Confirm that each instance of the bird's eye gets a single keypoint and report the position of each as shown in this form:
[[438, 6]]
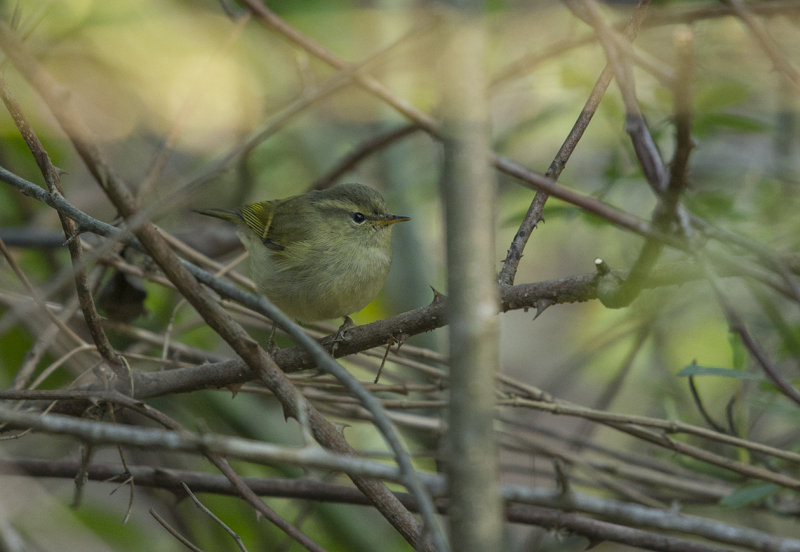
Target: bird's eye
[[359, 218]]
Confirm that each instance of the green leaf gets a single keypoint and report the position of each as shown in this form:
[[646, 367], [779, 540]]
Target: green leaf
[[714, 204], [723, 93], [749, 494], [697, 370], [705, 122]]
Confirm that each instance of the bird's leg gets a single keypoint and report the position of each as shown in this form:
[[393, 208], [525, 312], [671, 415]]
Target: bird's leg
[[271, 345], [339, 336]]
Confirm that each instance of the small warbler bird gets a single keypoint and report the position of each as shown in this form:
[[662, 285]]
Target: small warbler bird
[[319, 255]]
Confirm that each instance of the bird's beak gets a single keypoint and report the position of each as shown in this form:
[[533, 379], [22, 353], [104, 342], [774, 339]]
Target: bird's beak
[[391, 219]]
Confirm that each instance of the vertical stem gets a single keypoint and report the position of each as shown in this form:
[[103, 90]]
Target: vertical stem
[[468, 188]]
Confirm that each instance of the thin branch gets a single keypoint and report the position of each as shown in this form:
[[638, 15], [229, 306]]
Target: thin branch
[[369, 147], [779, 59], [667, 189], [620, 421], [235, 479], [683, 40], [661, 18], [534, 398], [58, 324], [203, 508], [698, 402], [643, 143], [270, 19], [174, 532], [103, 433], [737, 326], [53, 181]]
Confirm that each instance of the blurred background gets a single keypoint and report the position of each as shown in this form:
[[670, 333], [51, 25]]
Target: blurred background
[[198, 104]]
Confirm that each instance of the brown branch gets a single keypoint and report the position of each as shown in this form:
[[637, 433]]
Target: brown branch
[[668, 209], [522, 296], [668, 189], [369, 147], [53, 181], [525, 396], [737, 326], [271, 20], [627, 424], [203, 508], [679, 167], [641, 139], [174, 532], [598, 531]]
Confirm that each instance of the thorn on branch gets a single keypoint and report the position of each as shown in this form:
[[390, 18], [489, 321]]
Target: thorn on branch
[[438, 297], [542, 305]]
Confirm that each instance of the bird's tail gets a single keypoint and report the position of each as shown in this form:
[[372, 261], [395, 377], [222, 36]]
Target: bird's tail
[[231, 215]]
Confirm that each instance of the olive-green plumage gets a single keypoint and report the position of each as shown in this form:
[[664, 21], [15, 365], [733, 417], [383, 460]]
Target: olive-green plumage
[[319, 255]]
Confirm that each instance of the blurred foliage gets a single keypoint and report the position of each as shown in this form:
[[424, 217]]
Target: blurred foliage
[[145, 73]]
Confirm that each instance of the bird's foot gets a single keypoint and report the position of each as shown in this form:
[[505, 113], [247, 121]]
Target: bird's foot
[[339, 336], [271, 345]]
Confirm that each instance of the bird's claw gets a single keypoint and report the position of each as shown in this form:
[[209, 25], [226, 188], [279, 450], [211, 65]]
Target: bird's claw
[[339, 336]]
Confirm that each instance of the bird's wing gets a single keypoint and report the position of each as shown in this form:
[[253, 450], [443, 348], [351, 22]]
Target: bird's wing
[[277, 227]]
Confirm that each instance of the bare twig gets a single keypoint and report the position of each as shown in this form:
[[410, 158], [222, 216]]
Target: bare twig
[[174, 532], [619, 421], [369, 147], [643, 143], [779, 59], [737, 326], [701, 407], [203, 508], [269, 18], [53, 180]]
